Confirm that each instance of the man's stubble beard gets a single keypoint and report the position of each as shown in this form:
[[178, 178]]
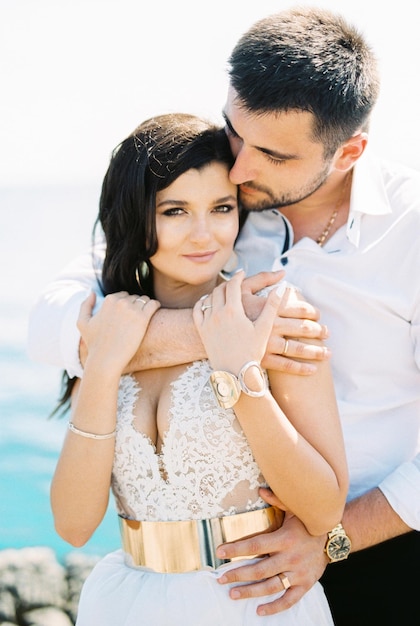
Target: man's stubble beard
[[271, 201]]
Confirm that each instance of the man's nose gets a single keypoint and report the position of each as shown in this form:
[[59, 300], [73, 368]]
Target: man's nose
[[243, 169]]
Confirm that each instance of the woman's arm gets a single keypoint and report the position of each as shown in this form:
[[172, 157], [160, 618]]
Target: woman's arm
[[294, 432], [171, 339], [81, 482], [296, 438]]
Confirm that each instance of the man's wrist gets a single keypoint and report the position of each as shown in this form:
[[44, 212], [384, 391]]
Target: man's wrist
[[338, 544]]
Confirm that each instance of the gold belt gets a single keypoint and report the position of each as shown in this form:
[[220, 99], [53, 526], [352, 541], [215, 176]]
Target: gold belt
[[186, 546]]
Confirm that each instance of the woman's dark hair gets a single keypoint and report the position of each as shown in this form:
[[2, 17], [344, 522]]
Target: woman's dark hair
[[147, 161]]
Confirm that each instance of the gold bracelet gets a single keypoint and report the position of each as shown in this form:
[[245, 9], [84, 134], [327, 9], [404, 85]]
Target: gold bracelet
[[227, 387], [83, 433]]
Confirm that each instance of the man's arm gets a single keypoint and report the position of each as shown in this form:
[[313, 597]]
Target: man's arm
[[368, 520], [361, 517], [172, 339], [53, 337]]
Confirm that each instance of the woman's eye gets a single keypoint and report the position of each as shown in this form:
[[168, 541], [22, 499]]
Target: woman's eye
[[224, 208], [173, 211]]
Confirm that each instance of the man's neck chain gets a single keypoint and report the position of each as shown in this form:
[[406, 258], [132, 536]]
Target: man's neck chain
[[323, 236]]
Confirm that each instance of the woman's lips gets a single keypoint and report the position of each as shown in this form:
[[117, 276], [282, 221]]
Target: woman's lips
[[200, 257]]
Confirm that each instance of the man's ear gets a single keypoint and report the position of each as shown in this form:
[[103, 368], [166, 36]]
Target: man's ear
[[351, 151]]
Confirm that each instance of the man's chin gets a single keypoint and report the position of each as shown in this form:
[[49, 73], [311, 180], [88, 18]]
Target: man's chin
[[252, 204]]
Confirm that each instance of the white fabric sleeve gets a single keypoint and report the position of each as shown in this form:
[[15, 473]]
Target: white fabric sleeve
[[402, 487], [53, 337], [402, 490]]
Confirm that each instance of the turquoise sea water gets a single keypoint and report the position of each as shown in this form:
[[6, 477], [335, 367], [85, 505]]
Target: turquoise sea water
[[40, 231]]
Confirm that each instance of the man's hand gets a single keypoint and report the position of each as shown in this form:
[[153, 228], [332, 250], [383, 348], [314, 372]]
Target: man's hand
[[291, 551], [288, 349]]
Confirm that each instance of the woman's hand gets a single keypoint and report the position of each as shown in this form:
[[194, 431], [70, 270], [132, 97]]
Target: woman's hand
[[230, 338], [113, 335]]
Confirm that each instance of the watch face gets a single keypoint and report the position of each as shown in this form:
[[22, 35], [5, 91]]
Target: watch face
[[226, 388], [338, 547], [223, 389]]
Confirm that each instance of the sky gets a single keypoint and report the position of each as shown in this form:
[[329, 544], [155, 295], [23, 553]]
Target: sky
[[79, 75]]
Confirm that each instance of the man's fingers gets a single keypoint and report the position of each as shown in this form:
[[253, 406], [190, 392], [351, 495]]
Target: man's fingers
[[304, 328], [288, 599], [256, 283], [299, 359], [296, 349], [288, 366], [265, 321], [269, 587], [260, 570], [297, 308], [258, 544]]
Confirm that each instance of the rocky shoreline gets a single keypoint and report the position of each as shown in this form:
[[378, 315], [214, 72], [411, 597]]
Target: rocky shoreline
[[38, 590]]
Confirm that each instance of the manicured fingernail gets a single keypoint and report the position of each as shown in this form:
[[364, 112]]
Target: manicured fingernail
[[235, 594], [222, 579]]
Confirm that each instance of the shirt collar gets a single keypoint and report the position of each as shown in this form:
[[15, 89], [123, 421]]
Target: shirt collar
[[368, 196]]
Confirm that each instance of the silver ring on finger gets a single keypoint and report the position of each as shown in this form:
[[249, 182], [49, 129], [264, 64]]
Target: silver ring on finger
[[284, 581], [141, 300], [204, 307], [286, 347]]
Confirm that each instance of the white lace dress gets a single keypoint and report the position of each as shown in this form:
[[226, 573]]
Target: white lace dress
[[204, 469]]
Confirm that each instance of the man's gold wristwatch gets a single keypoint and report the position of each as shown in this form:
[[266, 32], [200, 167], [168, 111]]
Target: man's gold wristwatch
[[338, 545]]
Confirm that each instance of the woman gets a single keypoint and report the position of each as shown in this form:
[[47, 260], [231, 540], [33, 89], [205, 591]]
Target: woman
[[185, 448]]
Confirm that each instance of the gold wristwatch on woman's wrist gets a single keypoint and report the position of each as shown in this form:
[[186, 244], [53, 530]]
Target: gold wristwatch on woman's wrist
[[338, 544], [227, 387]]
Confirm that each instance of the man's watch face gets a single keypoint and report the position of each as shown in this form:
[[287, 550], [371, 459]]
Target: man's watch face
[[339, 547]]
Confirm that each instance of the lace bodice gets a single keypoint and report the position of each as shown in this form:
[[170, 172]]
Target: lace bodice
[[205, 467]]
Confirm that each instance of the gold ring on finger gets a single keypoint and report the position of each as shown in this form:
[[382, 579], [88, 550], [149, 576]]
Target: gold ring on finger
[[284, 581]]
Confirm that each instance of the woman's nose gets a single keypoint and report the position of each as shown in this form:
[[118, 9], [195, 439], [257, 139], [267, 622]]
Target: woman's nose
[[200, 230]]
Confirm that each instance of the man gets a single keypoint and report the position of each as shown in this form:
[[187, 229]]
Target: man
[[344, 227]]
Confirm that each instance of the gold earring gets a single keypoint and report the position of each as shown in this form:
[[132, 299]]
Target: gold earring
[[144, 270], [143, 273]]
